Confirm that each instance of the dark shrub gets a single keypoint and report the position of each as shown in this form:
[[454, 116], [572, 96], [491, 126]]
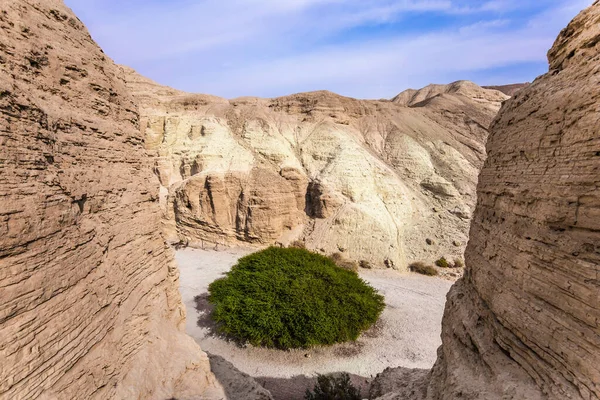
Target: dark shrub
[[330, 387], [298, 244], [341, 262], [423, 269], [365, 264], [337, 258], [292, 298], [442, 263]]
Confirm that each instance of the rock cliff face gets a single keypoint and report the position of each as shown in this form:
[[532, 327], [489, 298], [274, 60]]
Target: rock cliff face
[[89, 301], [371, 179], [524, 323]]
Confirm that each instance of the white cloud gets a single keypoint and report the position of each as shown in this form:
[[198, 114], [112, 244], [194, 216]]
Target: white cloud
[[274, 47]]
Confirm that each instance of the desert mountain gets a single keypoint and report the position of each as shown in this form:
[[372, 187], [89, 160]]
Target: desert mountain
[[487, 98], [509, 90], [89, 300], [524, 321], [387, 182]]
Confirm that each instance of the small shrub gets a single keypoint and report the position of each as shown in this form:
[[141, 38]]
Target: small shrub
[[298, 244], [337, 258], [458, 263], [293, 298], [341, 262], [365, 264], [330, 387], [442, 263], [423, 269]]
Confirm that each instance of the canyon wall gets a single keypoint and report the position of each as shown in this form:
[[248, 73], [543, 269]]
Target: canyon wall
[[89, 300], [388, 182], [524, 322]]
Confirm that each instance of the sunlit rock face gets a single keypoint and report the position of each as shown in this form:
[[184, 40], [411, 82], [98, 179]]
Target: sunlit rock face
[[524, 323], [89, 301], [371, 179]]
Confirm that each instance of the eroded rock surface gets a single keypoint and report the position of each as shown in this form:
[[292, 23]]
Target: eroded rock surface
[[524, 323], [89, 301], [509, 90], [371, 179]]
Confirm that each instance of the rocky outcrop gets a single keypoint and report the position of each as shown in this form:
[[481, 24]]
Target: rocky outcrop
[[509, 90], [237, 385], [486, 97], [372, 179], [89, 301], [524, 322]]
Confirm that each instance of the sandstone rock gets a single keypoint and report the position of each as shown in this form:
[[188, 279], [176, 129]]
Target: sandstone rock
[[237, 385], [331, 171], [400, 383], [89, 300], [468, 89], [524, 321], [509, 90]]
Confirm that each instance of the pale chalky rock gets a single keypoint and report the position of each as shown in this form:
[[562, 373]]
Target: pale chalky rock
[[366, 176], [89, 300]]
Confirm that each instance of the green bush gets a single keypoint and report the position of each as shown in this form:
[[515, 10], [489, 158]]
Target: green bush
[[330, 387], [442, 263], [292, 298], [423, 269]]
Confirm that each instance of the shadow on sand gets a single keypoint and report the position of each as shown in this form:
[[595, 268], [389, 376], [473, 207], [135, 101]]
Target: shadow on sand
[[294, 388], [205, 321]]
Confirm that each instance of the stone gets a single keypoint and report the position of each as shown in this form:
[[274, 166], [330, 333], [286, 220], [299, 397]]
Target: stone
[[237, 385], [89, 299], [260, 171], [523, 323]]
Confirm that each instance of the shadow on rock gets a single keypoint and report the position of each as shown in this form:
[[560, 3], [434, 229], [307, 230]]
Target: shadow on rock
[[237, 385], [294, 388]]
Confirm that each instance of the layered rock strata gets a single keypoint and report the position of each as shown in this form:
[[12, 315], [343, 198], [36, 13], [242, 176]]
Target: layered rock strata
[[89, 301], [524, 323], [387, 182]]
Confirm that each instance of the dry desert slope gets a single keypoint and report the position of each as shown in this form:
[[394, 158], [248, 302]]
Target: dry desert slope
[[387, 182]]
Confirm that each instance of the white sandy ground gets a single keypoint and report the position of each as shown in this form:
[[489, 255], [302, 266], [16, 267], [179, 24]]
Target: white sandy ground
[[407, 335]]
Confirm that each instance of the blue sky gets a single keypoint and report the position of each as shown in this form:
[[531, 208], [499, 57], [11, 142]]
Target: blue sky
[[358, 48]]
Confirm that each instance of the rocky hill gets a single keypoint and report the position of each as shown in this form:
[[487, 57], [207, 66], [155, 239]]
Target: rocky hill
[[524, 321], [509, 90], [89, 300], [387, 182]]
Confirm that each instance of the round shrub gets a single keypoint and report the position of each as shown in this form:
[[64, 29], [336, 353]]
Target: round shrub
[[442, 263], [423, 269], [292, 298]]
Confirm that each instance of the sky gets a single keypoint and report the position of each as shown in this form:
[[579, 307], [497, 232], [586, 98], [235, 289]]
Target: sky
[[368, 49]]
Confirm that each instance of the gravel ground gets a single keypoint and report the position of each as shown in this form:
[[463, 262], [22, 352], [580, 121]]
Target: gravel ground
[[407, 335]]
